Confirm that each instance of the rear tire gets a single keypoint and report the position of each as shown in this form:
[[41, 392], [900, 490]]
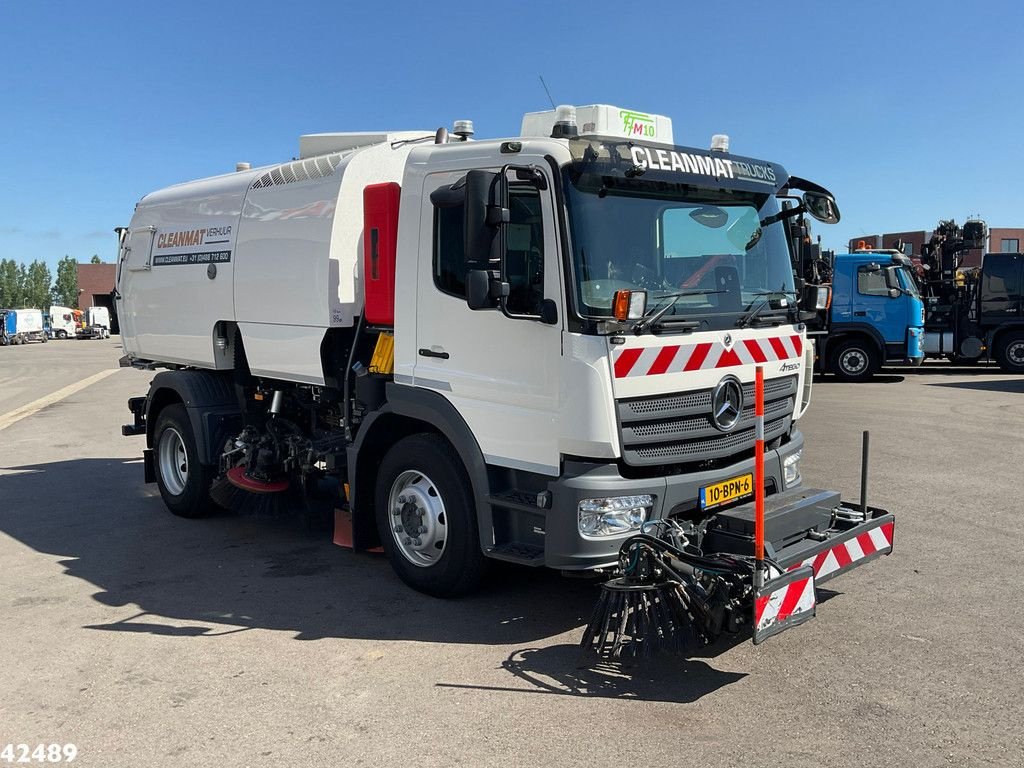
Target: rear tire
[[855, 360], [183, 481], [437, 552], [1009, 352]]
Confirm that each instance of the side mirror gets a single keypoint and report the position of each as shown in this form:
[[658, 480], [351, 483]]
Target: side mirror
[[548, 312], [478, 289], [485, 213], [894, 293], [821, 207], [482, 289]]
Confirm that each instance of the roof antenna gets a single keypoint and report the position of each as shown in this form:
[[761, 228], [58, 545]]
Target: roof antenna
[[547, 91]]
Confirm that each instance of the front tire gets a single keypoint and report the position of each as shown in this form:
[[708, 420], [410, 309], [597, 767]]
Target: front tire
[[183, 481], [62, 335], [1009, 352], [426, 517], [855, 360]]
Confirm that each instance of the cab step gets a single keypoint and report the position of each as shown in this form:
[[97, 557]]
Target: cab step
[[522, 554]]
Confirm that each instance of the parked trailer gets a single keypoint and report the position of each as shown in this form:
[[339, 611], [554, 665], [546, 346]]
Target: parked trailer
[[521, 349]]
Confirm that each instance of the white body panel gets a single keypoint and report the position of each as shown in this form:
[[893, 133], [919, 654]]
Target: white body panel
[[277, 250], [62, 319], [28, 320]]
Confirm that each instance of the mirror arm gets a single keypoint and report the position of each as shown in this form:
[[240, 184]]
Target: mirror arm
[[786, 213]]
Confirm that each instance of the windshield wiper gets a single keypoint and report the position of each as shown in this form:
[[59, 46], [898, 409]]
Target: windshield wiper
[[758, 307], [648, 320]]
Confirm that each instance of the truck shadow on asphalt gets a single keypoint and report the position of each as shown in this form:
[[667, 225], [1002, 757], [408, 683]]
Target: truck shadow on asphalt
[[562, 670], [1014, 385], [200, 579]]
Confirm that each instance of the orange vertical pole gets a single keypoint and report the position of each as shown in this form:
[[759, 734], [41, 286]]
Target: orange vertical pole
[[759, 476]]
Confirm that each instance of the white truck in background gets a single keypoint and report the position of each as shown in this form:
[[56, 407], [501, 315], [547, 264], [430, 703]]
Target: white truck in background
[[96, 324], [63, 322], [521, 349]]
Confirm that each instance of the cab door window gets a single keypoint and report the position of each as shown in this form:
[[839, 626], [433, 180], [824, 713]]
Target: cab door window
[[524, 251], [872, 282]]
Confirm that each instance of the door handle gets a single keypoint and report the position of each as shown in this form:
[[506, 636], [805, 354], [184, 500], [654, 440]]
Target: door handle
[[431, 353], [860, 314]]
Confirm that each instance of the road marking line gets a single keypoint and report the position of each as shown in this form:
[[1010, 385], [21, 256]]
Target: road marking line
[[37, 405]]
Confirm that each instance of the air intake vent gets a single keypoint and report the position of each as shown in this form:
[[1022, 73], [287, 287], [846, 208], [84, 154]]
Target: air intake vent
[[299, 170]]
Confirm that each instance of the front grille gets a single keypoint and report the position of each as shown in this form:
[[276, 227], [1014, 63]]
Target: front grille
[[674, 428]]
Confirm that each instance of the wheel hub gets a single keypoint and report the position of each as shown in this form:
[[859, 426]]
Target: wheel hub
[[854, 361], [1015, 353], [419, 526], [173, 461]]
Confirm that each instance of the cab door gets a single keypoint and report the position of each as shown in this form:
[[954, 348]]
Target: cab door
[[500, 372], [879, 301], [1001, 293]]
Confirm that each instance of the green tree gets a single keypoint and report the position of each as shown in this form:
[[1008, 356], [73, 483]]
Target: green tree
[[65, 289], [22, 285], [10, 288], [95, 259], [37, 285]]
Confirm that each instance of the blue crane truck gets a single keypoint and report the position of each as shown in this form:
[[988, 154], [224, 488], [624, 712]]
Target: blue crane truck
[[868, 312]]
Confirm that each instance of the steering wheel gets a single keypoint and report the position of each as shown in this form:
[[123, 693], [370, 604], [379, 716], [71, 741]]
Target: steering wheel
[[647, 278]]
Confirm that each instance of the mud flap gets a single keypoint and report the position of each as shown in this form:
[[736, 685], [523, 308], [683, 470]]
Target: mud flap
[[784, 602]]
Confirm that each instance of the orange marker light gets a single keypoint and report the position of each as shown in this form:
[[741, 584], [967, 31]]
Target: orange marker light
[[620, 307]]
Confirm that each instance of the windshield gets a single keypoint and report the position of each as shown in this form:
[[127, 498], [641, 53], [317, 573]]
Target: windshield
[[669, 239], [907, 281]]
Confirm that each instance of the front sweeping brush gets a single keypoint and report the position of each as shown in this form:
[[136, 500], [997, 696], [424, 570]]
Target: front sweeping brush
[[633, 619], [666, 601]]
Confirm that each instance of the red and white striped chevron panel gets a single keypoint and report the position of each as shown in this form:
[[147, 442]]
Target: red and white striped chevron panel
[[676, 358], [841, 555], [785, 603]]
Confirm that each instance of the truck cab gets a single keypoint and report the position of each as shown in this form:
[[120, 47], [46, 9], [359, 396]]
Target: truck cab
[[876, 316]]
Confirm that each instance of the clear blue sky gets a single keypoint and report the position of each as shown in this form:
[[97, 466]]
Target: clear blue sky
[[908, 111]]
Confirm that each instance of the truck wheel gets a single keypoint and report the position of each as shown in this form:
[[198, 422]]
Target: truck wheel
[[62, 334], [1009, 352], [184, 483], [426, 517], [855, 360]]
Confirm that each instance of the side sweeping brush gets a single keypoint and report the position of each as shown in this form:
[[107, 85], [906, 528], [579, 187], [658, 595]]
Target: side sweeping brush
[[240, 492]]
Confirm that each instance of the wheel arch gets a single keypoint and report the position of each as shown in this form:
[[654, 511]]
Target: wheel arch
[[410, 410], [849, 331], [209, 400]]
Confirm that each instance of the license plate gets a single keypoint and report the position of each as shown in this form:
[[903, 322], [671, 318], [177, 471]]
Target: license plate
[[727, 491]]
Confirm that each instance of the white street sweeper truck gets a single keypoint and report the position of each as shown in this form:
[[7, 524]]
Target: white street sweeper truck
[[539, 349]]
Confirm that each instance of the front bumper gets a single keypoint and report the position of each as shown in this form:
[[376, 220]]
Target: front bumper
[[566, 549]]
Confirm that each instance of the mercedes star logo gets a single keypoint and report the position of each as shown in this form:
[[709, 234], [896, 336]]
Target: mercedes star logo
[[727, 403]]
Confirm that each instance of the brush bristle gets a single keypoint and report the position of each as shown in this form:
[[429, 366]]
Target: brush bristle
[[232, 498], [639, 620]]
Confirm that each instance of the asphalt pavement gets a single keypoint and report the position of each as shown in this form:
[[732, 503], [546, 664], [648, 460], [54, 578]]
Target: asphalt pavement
[[149, 640]]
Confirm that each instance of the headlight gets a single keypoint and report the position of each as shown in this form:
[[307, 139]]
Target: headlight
[[791, 469], [613, 516]]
